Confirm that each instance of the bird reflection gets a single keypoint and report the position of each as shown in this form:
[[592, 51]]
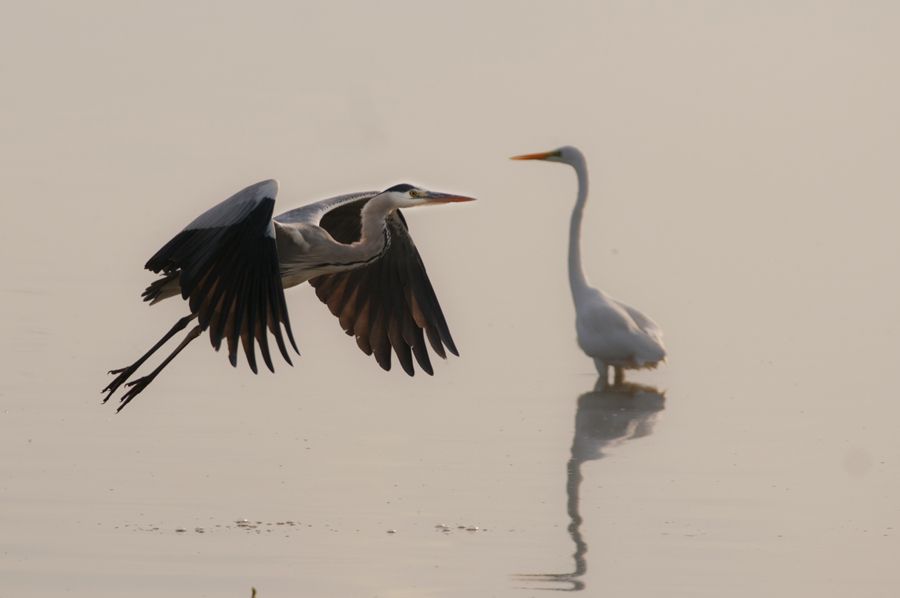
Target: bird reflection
[[605, 417]]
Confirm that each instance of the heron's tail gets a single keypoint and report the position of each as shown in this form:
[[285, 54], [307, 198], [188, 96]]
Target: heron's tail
[[163, 288]]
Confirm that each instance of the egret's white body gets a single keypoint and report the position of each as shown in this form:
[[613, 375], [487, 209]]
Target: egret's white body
[[612, 333]]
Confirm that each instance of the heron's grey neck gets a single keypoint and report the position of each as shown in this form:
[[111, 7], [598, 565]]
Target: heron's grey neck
[[577, 280], [374, 239]]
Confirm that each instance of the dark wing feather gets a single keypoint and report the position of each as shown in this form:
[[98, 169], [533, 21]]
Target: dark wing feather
[[389, 304], [226, 264]]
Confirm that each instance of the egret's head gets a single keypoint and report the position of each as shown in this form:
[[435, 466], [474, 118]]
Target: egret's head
[[566, 154], [405, 195]]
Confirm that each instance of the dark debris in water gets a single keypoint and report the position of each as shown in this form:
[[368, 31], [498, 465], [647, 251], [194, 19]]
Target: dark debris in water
[[243, 525], [446, 529], [257, 527]]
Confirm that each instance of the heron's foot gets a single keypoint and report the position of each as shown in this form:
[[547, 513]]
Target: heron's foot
[[135, 387], [122, 376]]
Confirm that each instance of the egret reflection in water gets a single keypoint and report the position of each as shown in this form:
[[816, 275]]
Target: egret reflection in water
[[605, 417]]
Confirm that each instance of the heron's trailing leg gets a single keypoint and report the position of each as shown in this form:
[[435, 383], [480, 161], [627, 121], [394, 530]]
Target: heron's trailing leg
[[619, 377], [136, 386], [125, 373]]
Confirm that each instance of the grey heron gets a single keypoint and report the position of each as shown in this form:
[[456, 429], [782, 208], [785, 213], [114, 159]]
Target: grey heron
[[612, 333], [233, 262]]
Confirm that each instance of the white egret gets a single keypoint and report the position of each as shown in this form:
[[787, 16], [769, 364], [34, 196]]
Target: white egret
[[612, 333], [233, 262]]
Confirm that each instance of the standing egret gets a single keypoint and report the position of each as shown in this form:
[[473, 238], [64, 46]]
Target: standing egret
[[233, 262], [612, 333]]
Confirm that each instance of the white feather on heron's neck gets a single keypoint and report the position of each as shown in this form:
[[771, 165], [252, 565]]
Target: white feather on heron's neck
[[372, 240], [577, 280], [373, 216]]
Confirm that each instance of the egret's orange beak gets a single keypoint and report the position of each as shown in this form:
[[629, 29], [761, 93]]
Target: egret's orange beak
[[539, 156], [435, 197]]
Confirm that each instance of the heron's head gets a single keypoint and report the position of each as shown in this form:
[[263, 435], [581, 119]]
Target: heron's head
[[405, 195], [566, 154]]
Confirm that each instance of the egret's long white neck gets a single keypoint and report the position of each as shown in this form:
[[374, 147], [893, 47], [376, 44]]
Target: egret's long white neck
[[577, 280]]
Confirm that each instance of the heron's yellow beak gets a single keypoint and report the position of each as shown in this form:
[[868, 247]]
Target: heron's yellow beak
[[539, 156], [436, 197]]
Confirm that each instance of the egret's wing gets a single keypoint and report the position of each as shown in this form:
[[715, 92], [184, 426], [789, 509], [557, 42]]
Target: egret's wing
[[389, 304], [227, 267], [650, 327]]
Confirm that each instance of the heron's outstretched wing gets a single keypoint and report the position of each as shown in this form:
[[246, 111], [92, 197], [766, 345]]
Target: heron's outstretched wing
[[389, 303], [226, 264]]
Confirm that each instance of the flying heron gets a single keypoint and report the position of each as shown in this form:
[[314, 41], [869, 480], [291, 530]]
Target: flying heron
[[612, 333], [233, 262]]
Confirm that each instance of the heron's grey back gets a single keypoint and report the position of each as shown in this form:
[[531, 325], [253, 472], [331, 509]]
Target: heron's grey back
[[312, 213]]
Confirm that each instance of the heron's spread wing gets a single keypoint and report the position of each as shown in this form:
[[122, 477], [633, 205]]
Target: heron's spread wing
[[226, 264], [389, 304]]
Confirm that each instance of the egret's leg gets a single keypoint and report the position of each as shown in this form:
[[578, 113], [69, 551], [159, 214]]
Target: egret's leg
[[602, 373], [125, 373], [136, 386], [619, 376]]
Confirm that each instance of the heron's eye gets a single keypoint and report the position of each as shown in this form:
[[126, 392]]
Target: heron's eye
[[415, 193]]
